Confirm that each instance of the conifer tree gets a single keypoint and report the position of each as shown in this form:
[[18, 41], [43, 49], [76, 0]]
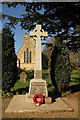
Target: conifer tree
[[60, 68], [9, 60], [58, 19]]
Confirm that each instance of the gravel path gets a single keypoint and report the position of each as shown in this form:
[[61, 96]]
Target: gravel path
[[73, 101]]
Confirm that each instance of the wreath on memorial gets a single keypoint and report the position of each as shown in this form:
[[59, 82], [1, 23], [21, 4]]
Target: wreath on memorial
[[38, 96]]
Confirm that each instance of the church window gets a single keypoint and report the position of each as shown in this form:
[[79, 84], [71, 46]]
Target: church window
[[24, 57], [27, 55], [30, 56], [19, 63]]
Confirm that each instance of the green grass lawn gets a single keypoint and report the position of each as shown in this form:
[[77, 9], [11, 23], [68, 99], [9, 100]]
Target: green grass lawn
[[75, 78], [30, 75], [23, 87]]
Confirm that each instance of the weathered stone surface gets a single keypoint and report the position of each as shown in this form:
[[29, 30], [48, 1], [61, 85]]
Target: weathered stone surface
[[29, 43], [23, 77], [38, 86], [38, 89], [48, 100], [38, 74], [38, 31], [21, 103]]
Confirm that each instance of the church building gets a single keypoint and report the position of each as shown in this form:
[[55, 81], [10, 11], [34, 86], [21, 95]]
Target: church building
[[26, 54]]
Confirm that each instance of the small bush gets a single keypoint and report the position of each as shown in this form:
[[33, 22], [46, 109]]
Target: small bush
[[51, 89], [30, 74], [75, 78]]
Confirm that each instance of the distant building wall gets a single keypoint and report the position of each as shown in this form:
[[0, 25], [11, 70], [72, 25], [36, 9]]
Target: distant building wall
[[26, 54]]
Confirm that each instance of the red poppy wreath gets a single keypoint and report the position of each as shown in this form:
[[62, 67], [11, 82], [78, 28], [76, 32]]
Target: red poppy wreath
[[38, 96]]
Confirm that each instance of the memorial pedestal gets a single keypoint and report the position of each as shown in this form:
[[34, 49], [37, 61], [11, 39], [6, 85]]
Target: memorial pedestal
[[38, 86]]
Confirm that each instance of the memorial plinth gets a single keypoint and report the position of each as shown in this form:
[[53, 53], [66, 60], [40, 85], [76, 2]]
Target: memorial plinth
[[38, 85]]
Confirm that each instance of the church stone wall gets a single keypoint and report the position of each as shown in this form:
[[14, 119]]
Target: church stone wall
[[29, 43], [27, 66]]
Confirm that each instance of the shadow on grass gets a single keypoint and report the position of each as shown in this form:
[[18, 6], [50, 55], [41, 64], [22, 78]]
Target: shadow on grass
[[73, 88], [54, 95], [21, 91]]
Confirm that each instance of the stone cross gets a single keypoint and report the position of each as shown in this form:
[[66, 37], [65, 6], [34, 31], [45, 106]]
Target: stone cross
[[38, 34]]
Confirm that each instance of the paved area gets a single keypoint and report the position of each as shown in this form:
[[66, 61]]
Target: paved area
[[72, 100], [21, 103]]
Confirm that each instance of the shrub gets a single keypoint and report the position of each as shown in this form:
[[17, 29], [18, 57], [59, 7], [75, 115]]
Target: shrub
[[75, 59], [9, 60], [60, 69]]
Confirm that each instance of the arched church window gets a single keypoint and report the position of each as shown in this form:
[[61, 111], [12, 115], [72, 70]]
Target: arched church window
[[30, 56], [19, 63], [24, 57], [27, 55]]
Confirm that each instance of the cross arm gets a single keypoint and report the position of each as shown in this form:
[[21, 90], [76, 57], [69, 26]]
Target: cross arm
[[45, 34], [32, 33]]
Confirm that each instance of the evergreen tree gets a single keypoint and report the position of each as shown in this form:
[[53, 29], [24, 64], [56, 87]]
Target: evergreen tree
[[9, 60], [56, 18], [60, 69]]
